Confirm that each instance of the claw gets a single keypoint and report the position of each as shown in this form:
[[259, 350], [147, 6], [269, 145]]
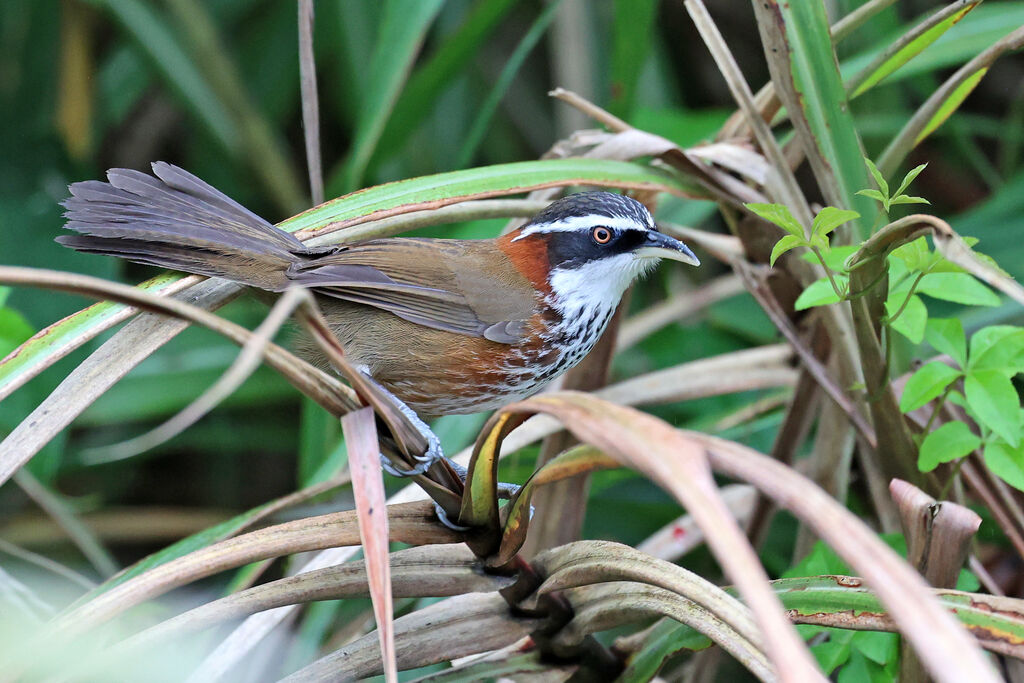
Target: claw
[[423, 462], [443, 518], [421, 468]]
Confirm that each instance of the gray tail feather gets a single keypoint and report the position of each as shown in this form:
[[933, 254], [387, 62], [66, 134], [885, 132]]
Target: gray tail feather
[[175, 220]]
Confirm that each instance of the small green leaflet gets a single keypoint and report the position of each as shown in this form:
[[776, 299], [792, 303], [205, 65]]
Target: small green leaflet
[[819, 293], [830, 218], [946, 335], [960, 288], [1006, 462], [994, 402], [779, 215], [949, 442], [927, 384], [998, 347], [785, 244]]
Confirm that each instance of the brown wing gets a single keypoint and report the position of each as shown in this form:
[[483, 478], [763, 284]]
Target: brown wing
[[462, 286]]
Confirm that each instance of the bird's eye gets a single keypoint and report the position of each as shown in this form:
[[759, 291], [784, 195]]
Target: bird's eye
[[601, 235]]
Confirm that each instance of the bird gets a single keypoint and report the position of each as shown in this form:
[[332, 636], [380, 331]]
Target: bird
[[445, 326]]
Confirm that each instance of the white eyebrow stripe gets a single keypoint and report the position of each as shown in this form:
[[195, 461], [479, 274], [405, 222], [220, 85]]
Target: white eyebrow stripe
[[574, 223]]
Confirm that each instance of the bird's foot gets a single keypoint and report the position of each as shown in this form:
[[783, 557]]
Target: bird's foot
[[433, 453], [424, 462], [430, 457]]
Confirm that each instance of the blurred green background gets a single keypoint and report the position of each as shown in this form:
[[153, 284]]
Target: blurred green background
[[407, 87]]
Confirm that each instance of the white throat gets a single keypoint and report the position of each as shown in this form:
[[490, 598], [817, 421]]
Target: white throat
[[586, 298], [595, 285]]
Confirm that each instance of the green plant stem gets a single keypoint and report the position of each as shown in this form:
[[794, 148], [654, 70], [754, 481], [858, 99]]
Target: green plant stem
[[888, 352], [938, 407], [899, 311], [828, 271], [894, 438], [949, 482]]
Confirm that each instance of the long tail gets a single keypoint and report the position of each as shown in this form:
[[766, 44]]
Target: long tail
[[177, 221]]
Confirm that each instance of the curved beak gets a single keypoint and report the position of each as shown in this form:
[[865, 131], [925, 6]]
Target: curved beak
[[660, 245]]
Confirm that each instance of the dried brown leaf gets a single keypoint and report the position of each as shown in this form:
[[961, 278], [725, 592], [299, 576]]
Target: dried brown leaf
[[360, 430]]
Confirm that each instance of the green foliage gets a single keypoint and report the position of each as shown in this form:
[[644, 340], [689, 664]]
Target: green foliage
[[857, 655], [14, 328], [989, 397], [947, 443], [983, 377], [926, 385], [882, 196]]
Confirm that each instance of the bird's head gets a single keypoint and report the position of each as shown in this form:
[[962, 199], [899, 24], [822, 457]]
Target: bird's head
[[592, 245]]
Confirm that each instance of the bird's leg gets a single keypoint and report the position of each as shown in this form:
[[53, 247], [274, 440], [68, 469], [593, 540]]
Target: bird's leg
[[432, 455], [434, 452]]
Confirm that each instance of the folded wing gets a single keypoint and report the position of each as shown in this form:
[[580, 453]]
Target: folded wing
[[429, 282]]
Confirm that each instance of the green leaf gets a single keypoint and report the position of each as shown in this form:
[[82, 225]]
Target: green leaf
[[68, 334], [909, 178], [427, 83], [823, 594], [904, 199], [402, 32], [818, 293], [898, 275], [804, 68], [879, 181], [976, 32], [926, 33], [820, 560], [4, 293], [859, 669], [780, 215], [951, 104], [946, 335], [785, 244], [995, 403], [14, 329], [485, 112], [632, 28], [927, 384], [830, 218], [874, 194], [666, 639], [961, 288], [913, 254], [832, 654], [1006, 462], [441, 189], [998, 347], [878, 646], [819, 242], [911, 322], [949, 442], [835, 257]]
